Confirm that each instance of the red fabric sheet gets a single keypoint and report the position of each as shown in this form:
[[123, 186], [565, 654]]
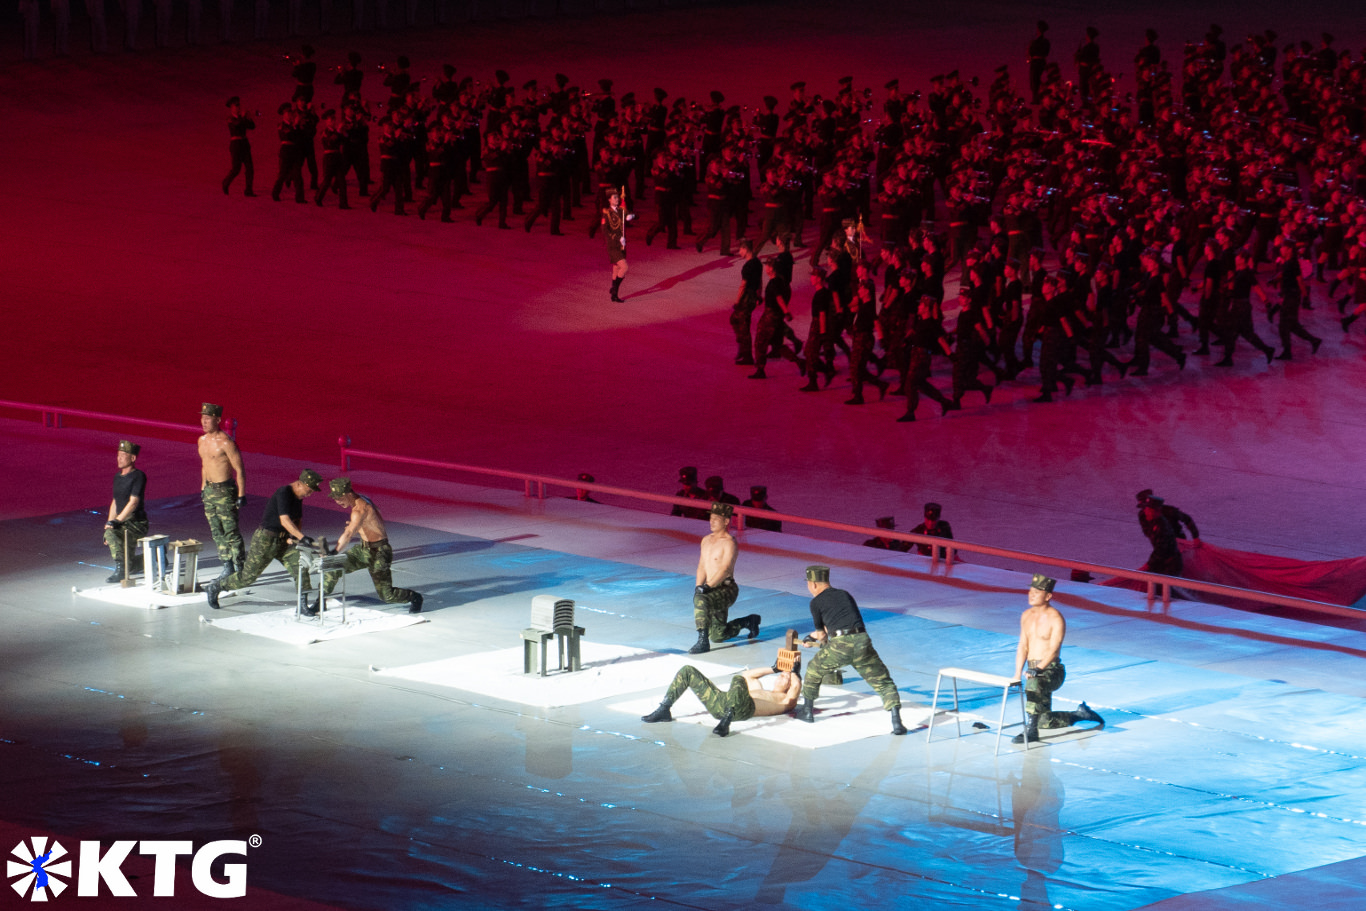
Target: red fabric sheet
[[1331, 581]]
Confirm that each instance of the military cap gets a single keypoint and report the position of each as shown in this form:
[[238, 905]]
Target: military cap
[[1327, 38], [1042, 583], [817, 573], [529, 85], [1092, 32], [1151, 34], [688, 474], [586, 477], [311, 478], [758, 492], [828, 106], [716, 97], [714, 483], [848, 223], [129, 447], [952, 74], [628, 100], [353, 58], [770, 102], [501, 75], [660, 95], [797, 85], [1216, 29], [892, 84], [1154, 502], [212, 410], [614, 192], [339, 487], [447, 70], [933, 510], [329, 114], [1003, 68], [886, 522], [724, 510], [402, 61], [846, 80], [561, 80], [233, 100], [818, 271], [284, 106], [605, 85], [1143, 495]]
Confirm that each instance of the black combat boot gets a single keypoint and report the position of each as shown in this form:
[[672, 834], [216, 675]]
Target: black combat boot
[[752, 624], [229, 567], [660, 714], [1085, 713], [722, 729], [213, 591], [701, 645], [897, 727], [415, 605], [805, 711], [1031, 731]]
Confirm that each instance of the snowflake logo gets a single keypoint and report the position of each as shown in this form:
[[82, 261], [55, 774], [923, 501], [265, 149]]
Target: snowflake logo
[[40, 867]]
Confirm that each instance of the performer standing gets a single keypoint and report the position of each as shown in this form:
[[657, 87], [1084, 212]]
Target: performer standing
[[1042, 630], [373, 551], [127, 518], [222, 486], [239, 146], [614, 219], [716, 589], [842, 638]]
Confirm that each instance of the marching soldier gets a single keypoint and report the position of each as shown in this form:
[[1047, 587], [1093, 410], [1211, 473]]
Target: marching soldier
[[239, 146]]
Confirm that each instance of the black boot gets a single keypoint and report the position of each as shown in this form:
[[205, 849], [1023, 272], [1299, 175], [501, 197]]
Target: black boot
[[1085, 713], [229, 567], [660, 714], [897, 727], [1031, 731], [750, 623], [114, 577], [722, 729], [616, 286], [805, 711], [212, 591], [701, 645], [1347, 321], [308, 610], [415, 605]]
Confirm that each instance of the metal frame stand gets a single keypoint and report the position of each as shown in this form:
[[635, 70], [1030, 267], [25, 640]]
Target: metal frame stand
[[957, 673]]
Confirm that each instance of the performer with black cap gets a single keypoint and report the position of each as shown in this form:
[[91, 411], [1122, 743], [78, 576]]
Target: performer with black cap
[[127, 520], [372, 550], [239, 146], [932, 526], [688, 489], [1173, 514], [1042, 629], [881, 543], [716, 590], [758, 499], [276, 539], [1166, 556], [843, 640]]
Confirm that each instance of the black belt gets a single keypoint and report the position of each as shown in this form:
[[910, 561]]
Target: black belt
[[856, 628]]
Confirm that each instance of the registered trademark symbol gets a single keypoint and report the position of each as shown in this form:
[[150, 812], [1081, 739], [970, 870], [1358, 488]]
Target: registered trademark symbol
[[254, 841]]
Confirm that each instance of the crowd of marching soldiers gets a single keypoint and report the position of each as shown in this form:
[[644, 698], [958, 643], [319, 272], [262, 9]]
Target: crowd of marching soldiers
[[1076, 216]]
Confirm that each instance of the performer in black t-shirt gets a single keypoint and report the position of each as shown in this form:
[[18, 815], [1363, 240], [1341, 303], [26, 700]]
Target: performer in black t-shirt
[[275, 540], [842, 638], [127, 520]]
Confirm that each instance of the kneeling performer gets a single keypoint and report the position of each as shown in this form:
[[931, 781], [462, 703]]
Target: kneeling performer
[[373, 552], [1042, 630], [716, 589]]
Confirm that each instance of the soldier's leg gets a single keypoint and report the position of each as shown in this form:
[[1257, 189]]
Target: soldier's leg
[[738, 700], [1039, 691], [355, 559], [290, 559], [870, 667], [264, 545], [381, 559], [689, 677], [718, 604], [828, 661]]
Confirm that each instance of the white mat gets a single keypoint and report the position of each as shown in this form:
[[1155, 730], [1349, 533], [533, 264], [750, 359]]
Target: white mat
[[842, 716], [606, 671], [282, 626], [139, 596]]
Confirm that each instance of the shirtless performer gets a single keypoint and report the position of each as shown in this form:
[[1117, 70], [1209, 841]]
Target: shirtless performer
[[1042, 630], [373, 551], [716, 589], [745, 699], [223, 488]]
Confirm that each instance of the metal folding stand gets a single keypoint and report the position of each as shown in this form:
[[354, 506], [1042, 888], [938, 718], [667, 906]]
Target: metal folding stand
[[317, 559], [957, 673]]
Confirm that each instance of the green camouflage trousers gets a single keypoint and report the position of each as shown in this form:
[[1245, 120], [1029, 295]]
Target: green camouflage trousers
[[220, 508], [856, 649], [736, 700], [114, 538], [378, 558], [265, 546], [709, 611], [1039, 691]]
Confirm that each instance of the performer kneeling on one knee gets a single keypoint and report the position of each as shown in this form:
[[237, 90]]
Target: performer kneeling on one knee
[[373, 551], [747, 698], [716, 590], [842, 638], [1042, 630]]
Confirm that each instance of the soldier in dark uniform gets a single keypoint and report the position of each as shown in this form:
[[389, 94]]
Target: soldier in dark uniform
[[758, 499], [926, 335], [334, 162], [1166, 556], [392, 168], [398, 81], [667, 190], [239, 146], [687, 477], [495, 161], [548, 179], [291, 158], [614, 219], [715, 486], [1038, 59], [933, 526], [1238, 317], [350, 77], [746, 299], [1291, 286], [1088, 63], [127, 520], [820, 350], [1179, 520], [356, 145], [777, 298], [1153, 305], [275, 540], [881, 543], [970, 342], [843, 640], [307, 130], [862, 329], [304, 70], [718, 206]]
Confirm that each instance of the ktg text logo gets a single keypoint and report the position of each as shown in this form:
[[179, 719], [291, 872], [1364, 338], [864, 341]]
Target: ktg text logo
[[41, 871]]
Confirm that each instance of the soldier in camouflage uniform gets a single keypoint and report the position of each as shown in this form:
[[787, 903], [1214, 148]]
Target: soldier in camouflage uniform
[[843, 640], [1042, 629], [745, 699], [276, 540], [127, 520], [373, 551], [716, 590], [223, 487]]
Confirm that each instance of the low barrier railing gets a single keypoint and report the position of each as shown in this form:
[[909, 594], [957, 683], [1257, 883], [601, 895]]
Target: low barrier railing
[[53, 415], [535, 485]]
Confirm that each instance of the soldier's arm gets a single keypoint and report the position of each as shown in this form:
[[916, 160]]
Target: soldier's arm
[[1021, 650], [702, 565], [352, 526], [294, 531], [113, 509], [235, 460], [756, 673], [203, 467]]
